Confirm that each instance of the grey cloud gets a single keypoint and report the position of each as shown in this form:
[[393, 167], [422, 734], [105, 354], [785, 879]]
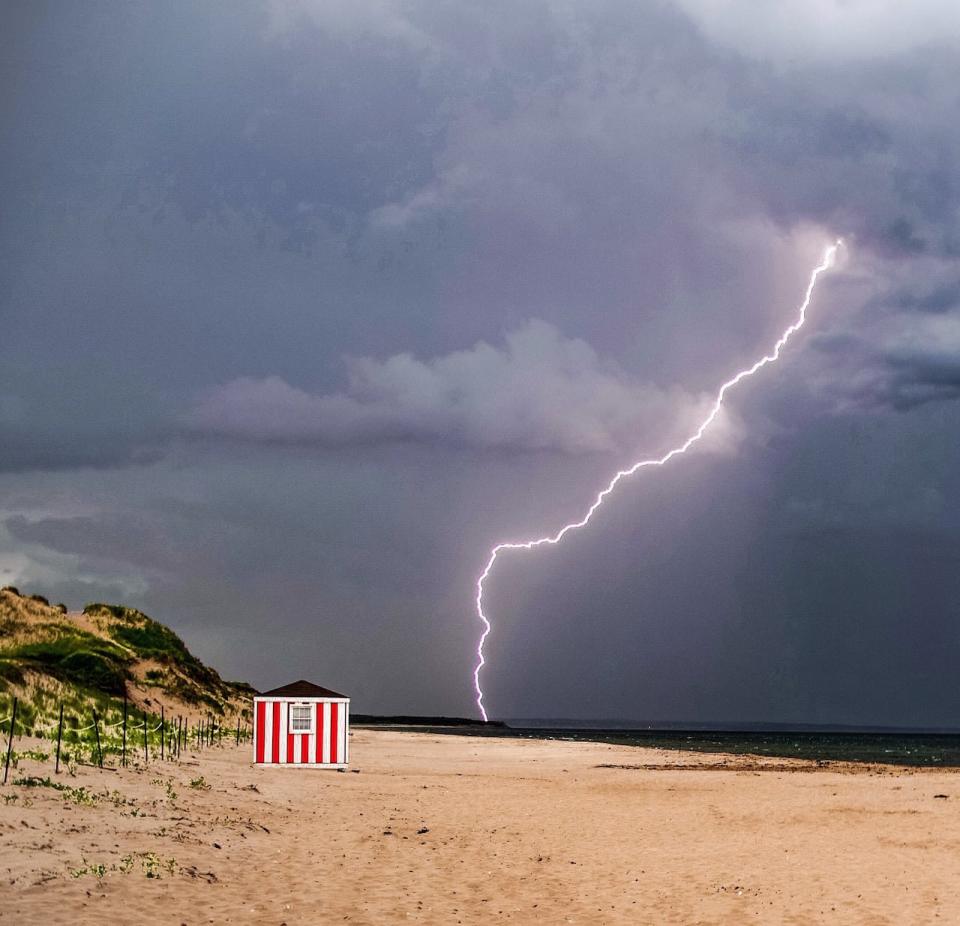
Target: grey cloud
[[942, 298], [540, 391], [925, 366], [896, 364]]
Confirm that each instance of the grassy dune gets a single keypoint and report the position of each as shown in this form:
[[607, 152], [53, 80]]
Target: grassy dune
[[88, 660]]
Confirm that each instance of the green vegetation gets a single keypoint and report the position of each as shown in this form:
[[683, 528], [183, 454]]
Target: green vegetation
[[32, 781], [34, 755], [192, 682], [88, 661], [151, 640], [151, 865], [167, 786], [75, 795], [88, 868], [77, 658]]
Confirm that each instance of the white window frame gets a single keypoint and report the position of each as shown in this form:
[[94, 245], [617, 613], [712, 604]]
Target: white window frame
[[310, 721]]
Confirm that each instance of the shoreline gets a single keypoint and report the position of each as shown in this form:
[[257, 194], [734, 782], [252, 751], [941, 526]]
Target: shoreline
[[889, 748]]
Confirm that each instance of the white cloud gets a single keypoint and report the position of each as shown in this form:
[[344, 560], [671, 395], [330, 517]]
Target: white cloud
[[540, 391]]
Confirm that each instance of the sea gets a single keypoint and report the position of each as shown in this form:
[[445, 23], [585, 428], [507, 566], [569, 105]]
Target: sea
[[885, 745]]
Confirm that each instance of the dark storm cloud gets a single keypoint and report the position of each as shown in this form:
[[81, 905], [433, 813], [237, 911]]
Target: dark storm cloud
[[208, 209], [941, 298], [900, 363], [107, 421], [924, 369]]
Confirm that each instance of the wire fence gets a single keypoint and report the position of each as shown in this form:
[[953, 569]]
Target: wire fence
[[110, 744]]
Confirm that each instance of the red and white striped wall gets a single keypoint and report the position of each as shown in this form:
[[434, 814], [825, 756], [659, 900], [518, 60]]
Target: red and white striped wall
[[327, 745]]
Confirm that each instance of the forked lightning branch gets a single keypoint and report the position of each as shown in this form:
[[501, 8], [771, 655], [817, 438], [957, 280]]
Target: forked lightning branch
[[826, 262]]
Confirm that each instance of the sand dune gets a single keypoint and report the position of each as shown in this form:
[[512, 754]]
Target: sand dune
[[435, 829]]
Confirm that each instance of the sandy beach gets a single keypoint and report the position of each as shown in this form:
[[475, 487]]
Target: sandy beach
[[450, 829]]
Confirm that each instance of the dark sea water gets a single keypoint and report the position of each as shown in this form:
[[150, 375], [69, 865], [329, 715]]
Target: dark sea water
[[892, 748], [935, 748]]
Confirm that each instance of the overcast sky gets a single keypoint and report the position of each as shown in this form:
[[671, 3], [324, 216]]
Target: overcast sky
[[305, 304]]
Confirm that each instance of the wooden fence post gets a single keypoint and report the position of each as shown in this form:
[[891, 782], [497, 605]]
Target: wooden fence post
[[146, 750], [163, 733], [56, 768], [96, 729], [124, 759], [238, 729], [13, 720]]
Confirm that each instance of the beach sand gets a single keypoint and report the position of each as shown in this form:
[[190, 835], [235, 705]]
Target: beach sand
[[451, 829]]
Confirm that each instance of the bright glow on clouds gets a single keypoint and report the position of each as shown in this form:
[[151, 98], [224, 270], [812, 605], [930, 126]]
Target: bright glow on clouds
[[826, 28]]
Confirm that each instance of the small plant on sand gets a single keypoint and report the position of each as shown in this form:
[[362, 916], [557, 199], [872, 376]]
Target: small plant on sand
[[32, 781], [71, 766], [167, 786], [199, 784], [152, 865], [34, 755], [81, 796], [98, 870], [11, 798]]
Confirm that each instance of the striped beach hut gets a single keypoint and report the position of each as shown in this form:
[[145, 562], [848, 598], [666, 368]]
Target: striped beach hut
[[301, 724]]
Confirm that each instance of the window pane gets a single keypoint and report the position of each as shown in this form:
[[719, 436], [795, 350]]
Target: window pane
[[301, 718]]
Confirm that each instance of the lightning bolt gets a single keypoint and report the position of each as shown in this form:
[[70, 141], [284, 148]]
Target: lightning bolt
[[826, 263]]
